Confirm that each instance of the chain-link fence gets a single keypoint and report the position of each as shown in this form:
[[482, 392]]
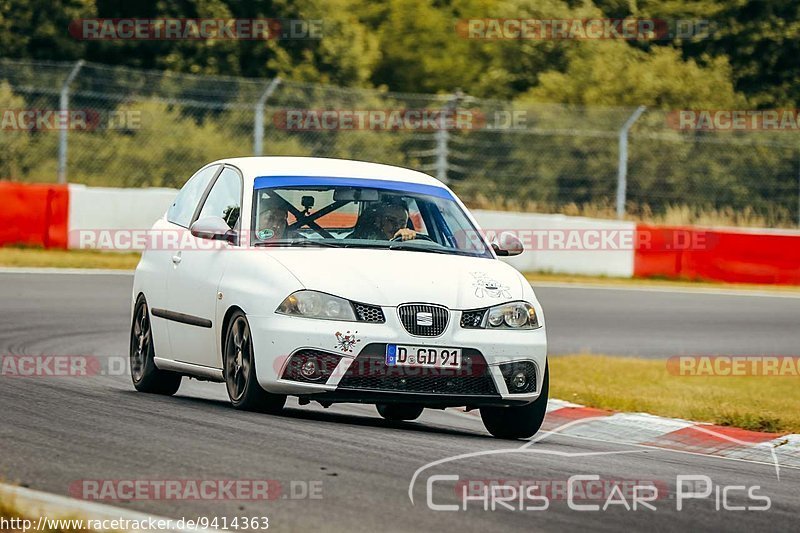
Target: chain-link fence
[[136, 128]]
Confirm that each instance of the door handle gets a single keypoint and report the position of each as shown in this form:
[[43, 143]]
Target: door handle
[[176, 259]]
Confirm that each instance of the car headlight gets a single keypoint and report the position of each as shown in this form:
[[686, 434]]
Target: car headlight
[[514, 315], [313, 304]]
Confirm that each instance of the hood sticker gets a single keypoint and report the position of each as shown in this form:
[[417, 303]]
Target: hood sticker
[[346, 342], [486, 286]]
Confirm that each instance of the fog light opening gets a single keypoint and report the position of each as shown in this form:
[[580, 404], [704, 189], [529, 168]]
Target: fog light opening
[[520, 377], [311, 366]]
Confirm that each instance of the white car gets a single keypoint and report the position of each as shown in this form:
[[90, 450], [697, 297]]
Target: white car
[[337, 281]]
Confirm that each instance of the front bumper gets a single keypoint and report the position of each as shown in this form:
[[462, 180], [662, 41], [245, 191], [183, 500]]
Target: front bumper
[[277, 337]]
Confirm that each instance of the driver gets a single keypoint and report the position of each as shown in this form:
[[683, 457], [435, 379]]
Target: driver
[[388, 220]]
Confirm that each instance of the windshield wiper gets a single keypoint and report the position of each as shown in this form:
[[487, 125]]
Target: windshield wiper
[[406, 246], [301, 242]]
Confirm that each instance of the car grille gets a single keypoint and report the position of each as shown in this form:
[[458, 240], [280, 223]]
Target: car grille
[[369, 372], [472, 319], [439, 318], [369, 313]]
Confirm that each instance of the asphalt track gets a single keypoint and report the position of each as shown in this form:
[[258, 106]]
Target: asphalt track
[[56, 431], [659, 323]]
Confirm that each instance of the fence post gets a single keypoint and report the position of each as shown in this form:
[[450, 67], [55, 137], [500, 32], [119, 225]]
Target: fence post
[[62, 133], [441, 152], [258, 123], [622, 170], [443, 135]]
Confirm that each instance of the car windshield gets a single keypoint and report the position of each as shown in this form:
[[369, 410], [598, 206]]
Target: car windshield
[[417, 218]]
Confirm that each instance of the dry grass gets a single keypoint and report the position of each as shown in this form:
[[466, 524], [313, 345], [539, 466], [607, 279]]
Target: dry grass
[[679, 215], [759, 403], [35, 257]]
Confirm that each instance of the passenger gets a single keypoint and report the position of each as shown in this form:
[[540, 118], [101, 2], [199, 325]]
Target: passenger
[[272, 220]]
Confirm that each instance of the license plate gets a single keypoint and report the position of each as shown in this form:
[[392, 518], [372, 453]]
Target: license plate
[[424, 356]]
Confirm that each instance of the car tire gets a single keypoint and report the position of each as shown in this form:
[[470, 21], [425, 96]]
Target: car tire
[[145, 375], [518, 422], [399, 411], [239, 369]]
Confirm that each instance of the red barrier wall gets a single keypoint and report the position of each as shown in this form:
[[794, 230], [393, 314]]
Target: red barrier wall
[[724, 255], [33, 214]]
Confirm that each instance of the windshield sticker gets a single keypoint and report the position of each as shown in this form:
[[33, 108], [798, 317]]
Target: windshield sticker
[[265, 234], [346, 342], [486, 286]]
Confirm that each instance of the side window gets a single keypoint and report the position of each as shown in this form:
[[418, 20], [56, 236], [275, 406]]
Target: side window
[[225, 198], [182, 209], [453, 226]]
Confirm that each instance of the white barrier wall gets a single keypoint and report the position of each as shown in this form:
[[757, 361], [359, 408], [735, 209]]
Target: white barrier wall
[[108, 208], [565, 244], [101, 208]]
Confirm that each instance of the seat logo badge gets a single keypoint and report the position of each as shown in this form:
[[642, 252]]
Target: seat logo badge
[[424, 319]]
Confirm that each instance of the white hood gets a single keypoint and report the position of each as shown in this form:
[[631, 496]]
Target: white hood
[[389, 278]]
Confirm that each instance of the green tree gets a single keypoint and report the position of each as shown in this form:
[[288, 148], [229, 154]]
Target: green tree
[[37, 29], [13, 144], [761, 40], [614, 73]]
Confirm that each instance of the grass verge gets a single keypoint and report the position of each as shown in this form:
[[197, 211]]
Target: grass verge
[[36, 257], [758, 403]]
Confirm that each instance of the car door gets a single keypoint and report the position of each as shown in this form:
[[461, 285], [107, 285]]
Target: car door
[[157, 264], [196, 274]]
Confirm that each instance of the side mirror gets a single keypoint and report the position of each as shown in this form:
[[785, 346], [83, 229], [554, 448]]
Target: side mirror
[[214, 229], [508, 245]]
